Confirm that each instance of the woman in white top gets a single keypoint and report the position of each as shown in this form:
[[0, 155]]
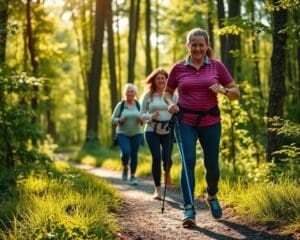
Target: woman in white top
[[155, 111]]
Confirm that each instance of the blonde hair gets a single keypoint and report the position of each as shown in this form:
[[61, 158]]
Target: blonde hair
[[150, 80]]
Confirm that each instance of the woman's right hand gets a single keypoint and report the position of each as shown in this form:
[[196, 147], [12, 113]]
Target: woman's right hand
[[155, 115], [173, 108], [121, 120]]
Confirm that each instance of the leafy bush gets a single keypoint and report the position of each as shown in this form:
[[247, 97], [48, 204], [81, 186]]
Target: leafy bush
[[17, 132]]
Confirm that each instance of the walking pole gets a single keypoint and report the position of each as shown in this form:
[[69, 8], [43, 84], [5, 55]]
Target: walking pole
[[180, 147], [171, 127]]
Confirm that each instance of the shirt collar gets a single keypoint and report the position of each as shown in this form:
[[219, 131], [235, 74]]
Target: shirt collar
[[188, 61]]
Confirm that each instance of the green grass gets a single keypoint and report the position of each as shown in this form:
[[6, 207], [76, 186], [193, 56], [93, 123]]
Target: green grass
[[60, 203]]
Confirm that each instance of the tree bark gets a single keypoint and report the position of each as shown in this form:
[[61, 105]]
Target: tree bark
[[34, 63], [210, 22], [3, 28], [111, 59], [148, 40], [233, 42], [95, 75], [277, 90], [132, 38], [157, 34], [223, 38]]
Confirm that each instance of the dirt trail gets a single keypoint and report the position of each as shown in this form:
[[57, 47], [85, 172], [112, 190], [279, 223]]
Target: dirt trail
[[142, 218]]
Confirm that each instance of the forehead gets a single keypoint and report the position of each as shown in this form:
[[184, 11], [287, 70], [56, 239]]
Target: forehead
[[130, 89], [160, 75], [197, 39]]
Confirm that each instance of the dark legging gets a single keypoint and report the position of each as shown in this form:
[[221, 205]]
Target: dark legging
[[160, 147]]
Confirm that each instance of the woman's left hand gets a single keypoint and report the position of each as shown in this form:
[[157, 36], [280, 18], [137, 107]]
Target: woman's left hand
[[217, 88], [141, 121]]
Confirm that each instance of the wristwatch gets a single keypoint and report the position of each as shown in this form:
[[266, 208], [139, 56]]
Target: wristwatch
[[226, 91]]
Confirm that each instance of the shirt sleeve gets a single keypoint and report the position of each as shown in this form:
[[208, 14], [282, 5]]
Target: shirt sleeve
[[145, 108], [116, 113], [172, 78]]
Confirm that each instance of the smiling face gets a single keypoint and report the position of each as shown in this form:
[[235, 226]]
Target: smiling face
[[130, 94], [197, 47], [160, 81]]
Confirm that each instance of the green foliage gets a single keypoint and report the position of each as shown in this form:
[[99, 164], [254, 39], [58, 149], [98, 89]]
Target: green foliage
[[16, 127], [243, 128], [60, 203], [283, 4], [289, 154]]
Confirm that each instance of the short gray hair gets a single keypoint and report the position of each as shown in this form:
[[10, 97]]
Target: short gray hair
[[128, 86]]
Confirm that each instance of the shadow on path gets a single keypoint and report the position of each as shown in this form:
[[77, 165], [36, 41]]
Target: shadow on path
[[207, 228]]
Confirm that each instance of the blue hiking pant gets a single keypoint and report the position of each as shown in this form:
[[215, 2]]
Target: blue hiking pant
[[209, 138], [129, 146]]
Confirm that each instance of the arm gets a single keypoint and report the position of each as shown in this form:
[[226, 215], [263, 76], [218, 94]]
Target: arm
[[115, 119], [168, 96], [230, 90], [145, 108]]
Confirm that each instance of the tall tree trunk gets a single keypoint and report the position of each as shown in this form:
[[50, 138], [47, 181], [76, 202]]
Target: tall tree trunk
[[95, 75], [148, 35], [277, 90], [34, 63], [157, 34], [132, 38], [111, 59], [9, 153], [3, 28], [223, 38], [210, 22], [233, 42], [119, 64], [256, 75], [296, 15]]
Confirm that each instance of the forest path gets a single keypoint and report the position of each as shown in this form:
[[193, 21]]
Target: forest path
[[141, 217]]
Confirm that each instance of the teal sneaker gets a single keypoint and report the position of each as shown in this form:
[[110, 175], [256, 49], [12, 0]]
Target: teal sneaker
[[215, 208], [189, 219], [125, 174], [133, 181]]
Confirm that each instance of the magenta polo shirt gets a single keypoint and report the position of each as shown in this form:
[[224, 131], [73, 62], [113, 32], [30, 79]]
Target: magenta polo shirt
[[193, 87]]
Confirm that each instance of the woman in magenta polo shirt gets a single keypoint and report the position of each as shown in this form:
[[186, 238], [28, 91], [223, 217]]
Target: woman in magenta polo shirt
[[199, 78]]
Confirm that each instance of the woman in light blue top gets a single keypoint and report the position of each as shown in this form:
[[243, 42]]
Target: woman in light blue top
[[155, 112], [129, 131]]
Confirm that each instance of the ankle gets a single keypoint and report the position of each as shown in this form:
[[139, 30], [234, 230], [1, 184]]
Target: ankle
[[209, 197]]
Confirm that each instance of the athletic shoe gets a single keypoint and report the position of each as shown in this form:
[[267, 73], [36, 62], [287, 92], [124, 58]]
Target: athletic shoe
[[188, 217], [215, 208], [133, 181], [125, 174]]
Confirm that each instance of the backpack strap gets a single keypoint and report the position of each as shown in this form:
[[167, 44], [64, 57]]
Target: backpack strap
[[123, 106]]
